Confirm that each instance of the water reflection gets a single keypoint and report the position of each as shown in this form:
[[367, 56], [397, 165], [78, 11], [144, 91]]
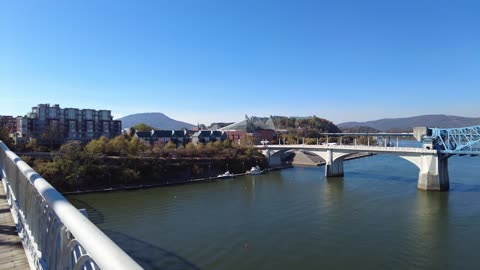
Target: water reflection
[[333, 190], [249, 187], [150, 256], [430, 230]]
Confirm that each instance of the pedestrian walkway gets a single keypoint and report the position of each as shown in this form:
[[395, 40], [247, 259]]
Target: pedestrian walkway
[[12, 254]]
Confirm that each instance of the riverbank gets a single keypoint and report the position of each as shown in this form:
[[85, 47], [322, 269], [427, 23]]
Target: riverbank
[[201, 180], [167, 183]]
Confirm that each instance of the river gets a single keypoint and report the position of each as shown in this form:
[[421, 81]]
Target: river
[[372, 218]]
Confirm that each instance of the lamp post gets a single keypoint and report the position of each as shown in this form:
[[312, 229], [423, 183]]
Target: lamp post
[[209, 172]]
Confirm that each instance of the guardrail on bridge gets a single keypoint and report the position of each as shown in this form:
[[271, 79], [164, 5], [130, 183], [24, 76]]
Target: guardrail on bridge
[[55, 234]]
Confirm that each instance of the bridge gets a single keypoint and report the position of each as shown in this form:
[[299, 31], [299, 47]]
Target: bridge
[[54, 234], [431, 159]]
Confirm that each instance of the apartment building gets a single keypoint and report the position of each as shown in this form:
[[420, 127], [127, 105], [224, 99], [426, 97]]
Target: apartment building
[[64, 124]]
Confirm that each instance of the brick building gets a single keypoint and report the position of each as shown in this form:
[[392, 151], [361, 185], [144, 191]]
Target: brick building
[[9, 123]]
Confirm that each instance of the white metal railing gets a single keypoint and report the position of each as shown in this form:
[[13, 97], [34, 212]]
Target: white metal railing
[[54, 233], [357, 148]]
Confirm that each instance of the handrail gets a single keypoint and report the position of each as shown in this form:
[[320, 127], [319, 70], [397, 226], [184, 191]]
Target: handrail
[[55, 234], [360, 148]]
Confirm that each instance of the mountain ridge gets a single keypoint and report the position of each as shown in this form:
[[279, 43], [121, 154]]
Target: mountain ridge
[[407, 123], [154, 119]]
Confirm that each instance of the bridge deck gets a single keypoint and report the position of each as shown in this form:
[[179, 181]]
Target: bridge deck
[[349, 148], [12, 254]]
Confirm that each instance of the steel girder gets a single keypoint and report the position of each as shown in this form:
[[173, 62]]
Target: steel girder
[[457, 140]]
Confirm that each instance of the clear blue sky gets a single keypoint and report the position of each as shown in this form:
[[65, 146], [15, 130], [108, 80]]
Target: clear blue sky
[[205, 61]]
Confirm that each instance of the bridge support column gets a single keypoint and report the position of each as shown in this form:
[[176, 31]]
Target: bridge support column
[[333, 167], [273, 160], [434, 173]]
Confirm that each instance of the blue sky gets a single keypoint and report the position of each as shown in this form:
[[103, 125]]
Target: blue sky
[[206, 61]]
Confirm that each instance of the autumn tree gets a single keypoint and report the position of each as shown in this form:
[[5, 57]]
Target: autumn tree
[[117, 146], [170, 146], [5, 137], [97, 147], [137, 146], [190, 149], [142, 127], [227, 143]]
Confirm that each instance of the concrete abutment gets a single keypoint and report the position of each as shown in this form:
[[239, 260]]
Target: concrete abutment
[[433, 175]]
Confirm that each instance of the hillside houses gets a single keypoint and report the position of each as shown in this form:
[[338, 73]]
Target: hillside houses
[[178, 137], [206, 136]]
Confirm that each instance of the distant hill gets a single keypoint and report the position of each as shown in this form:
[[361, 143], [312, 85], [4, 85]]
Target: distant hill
[[156, 120], [360, 129], [407, 124]]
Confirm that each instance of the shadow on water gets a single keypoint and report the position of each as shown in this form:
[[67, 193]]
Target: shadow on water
[[150, 256], [94, 215], [454, 186], [460, 187]]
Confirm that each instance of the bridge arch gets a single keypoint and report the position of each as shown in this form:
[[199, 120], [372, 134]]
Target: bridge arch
[[433, 165]]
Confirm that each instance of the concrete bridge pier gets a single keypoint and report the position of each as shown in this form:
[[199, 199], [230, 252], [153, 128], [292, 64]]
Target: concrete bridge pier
[[333, 166], [274, 157], [433, 173], [335, 169], [333, 162]]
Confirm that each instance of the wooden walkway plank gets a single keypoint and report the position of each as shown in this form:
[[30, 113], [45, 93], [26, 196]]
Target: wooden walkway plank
[[12, 253]]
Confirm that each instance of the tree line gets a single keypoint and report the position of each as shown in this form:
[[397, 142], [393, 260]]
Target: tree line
[[126, 161]]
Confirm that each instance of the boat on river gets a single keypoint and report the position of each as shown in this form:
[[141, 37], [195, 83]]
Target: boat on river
[[255, 171], [227, 174]]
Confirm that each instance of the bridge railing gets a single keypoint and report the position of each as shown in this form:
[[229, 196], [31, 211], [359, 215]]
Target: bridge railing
[[55, 234], [364, 148]]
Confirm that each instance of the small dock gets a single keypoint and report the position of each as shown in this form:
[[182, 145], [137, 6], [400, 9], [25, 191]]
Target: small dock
[[12, 254]]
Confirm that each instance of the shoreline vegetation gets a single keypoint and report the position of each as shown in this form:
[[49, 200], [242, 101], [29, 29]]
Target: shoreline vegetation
[[184, 182], [125, 161], [201, 180]]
